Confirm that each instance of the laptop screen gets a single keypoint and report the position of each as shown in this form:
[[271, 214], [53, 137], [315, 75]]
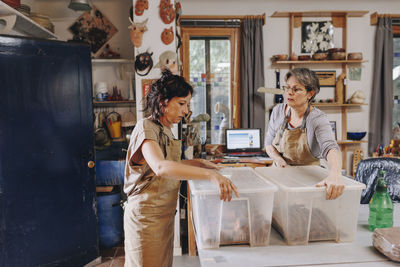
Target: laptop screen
[[243, 140]]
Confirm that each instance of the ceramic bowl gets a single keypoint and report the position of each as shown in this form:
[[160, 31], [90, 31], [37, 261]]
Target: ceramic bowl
[[320, 56], [354, 56], [281, 57], [333, 50], [357, 136], [294, 57], [338, 55], [304, 57]]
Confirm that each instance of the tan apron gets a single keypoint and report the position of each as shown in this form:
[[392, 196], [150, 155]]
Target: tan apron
[[149, 215], [292, 144]]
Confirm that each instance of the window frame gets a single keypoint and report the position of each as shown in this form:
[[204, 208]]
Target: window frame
[[232, 34]]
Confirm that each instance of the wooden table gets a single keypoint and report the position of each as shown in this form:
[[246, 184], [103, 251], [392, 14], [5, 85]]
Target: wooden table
[[359, 253]]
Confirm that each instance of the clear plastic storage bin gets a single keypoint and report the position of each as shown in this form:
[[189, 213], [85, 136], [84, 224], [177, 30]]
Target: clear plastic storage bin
[[301, 212], [244, 220]]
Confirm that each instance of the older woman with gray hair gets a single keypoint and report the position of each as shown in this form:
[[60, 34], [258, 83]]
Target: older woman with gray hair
[[299, 134]]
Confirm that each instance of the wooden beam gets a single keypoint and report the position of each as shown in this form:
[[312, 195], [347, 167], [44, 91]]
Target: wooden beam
[[396, 29], [223, 17], [327, 13], [374, 17], [291, 25], [297, 22], [338, 21]]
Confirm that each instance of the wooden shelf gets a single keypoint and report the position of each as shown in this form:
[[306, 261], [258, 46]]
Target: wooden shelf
[[327, 13], [350, 142], [339, 20], [24, 24], [318, 61], [112, 60], [114, 103], [337, 105]]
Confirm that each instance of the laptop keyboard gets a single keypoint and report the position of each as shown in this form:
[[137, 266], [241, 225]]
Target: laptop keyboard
[[246, 154]]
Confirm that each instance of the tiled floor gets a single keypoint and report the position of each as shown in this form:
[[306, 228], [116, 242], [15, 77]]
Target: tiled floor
[[115, 257]]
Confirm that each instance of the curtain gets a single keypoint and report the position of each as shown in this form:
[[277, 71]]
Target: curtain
[[252, 74], [381, 104]]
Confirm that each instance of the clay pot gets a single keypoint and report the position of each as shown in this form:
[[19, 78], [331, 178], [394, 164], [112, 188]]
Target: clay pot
[[338, 56], [304, 57], [294, 57], [355, 56], [320, 56], [333, 50], [281, 57]]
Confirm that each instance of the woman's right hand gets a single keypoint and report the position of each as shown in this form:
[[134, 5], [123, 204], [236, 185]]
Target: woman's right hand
[[274, 154], [225, 186], [280, 162]]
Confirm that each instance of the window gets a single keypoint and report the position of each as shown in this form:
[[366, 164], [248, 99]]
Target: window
[[396, 86], [209, 58]]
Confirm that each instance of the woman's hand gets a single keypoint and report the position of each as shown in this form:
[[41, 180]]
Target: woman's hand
[[334, 185], [273, 153], [280, 162], [225, 186]]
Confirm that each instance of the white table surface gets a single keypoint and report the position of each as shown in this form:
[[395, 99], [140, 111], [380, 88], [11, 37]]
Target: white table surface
[[356, 254]]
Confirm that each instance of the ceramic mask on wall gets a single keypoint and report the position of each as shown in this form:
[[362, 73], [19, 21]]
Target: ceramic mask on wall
[[143, 63], [167, 36], [167, 12], [137, 29], [168, 60], [140, 6]]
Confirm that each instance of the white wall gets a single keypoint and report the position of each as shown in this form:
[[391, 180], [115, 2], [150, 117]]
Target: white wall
[[360, 38]]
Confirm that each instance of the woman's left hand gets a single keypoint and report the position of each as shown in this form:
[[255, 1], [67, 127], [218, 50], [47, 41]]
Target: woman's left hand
[[334, 185]]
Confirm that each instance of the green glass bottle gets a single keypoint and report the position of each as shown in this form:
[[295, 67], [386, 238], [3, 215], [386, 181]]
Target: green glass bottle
[[380, 206]]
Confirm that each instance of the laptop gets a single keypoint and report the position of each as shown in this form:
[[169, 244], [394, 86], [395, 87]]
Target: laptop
[[243, 142]]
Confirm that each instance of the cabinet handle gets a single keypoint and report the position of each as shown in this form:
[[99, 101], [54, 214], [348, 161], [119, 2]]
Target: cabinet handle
[[91, 164]]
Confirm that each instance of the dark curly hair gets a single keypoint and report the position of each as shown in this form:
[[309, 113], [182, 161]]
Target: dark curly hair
[[165, 88]]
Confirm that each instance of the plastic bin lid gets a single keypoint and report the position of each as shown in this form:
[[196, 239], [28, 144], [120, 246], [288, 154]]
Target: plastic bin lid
[[302, 178], [245, 179]]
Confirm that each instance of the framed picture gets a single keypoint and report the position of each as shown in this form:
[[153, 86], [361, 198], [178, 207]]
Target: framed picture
[[326, 78], [355, 74], [94, 28], [146, 83], [333, 126], [316, 36]]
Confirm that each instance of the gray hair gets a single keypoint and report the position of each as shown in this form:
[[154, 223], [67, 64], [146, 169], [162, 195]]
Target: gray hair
[[306, 77]]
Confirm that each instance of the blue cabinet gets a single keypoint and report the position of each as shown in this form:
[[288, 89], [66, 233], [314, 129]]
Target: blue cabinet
[[47, 190]]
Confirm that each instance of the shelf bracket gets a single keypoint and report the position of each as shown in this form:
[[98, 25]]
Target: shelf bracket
[[9, 21]]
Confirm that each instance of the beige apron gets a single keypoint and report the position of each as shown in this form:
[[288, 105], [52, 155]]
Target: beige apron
[[292, 144], [149, 214]]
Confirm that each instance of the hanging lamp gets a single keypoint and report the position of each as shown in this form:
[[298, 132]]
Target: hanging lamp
[[80, 5]]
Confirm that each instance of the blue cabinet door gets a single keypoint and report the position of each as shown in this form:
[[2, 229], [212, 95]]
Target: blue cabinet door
[[47, 191]]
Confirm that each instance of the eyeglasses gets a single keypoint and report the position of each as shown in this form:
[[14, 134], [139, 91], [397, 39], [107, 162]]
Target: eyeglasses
[[295, 90]]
